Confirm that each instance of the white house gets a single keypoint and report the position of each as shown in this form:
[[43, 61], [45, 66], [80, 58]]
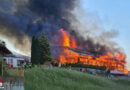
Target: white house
[[14, 61]]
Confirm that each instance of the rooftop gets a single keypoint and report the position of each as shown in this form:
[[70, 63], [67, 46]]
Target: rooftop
[[3, 49]]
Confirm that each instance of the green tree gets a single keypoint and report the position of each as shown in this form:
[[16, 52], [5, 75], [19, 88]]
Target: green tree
[[45, 51], [35, 51], [40, 50]]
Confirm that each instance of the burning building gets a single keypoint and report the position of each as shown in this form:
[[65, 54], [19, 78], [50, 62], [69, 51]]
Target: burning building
[[21, 19], [71, 53]]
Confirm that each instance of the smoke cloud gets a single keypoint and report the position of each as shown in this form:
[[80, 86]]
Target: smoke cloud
[[21, 19], [93, 36]]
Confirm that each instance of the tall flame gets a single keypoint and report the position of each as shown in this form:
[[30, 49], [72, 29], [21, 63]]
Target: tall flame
[[108, 60], [66, 40]]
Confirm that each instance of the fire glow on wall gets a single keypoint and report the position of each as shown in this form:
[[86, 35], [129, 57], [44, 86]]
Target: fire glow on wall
[[108, 60]]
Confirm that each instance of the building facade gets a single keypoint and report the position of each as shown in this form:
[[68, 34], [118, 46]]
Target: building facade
[[13, 61]]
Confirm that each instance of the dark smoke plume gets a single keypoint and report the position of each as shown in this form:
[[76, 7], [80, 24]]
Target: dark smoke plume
[[54, 12], [92, 36], [21, 19]]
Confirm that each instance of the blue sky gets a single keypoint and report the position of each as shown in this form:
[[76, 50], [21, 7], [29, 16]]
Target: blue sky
[[116, 15]]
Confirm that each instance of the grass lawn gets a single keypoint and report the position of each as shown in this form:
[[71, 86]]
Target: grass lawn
[[15, 72], [41, 78]]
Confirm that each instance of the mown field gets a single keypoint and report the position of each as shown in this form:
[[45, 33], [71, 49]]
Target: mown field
[[42, 78]]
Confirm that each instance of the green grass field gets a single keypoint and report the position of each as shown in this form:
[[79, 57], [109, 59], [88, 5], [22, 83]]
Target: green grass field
[[42, 78], [15, 73]]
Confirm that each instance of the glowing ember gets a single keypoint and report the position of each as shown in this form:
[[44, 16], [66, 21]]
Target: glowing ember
[[108, 60]]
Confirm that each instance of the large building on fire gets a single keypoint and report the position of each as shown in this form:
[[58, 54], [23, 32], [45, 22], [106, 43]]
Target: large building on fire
[[70, 52]]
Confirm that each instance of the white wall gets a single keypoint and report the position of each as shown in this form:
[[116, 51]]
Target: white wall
[[15, 60]]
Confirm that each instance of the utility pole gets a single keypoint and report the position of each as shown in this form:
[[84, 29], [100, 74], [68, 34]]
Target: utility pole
[[2, 66]]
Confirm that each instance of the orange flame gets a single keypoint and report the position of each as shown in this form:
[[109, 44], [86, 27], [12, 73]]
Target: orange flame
[[67, 40], [108, 60]]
